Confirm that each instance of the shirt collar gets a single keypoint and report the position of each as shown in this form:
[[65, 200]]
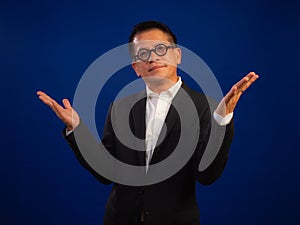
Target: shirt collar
[[171, 92]]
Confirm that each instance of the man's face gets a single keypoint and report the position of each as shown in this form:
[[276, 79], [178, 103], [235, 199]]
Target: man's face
[[157, 65]]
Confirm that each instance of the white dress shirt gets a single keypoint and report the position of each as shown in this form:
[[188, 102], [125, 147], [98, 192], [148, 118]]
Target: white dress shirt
[[157, 107]]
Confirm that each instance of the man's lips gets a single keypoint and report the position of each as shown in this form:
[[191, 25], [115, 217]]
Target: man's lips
[[156, 67]]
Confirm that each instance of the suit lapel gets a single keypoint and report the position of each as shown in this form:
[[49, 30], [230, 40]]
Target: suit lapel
[[171, 122], [138, 121], [138, 115]]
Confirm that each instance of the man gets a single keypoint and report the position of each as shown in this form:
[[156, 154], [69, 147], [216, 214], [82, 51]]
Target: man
[[172, 200]]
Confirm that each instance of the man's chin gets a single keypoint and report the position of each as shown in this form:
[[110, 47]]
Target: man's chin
[[157, 79]]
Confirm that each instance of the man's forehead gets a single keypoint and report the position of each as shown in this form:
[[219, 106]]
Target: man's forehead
[[148, 43]]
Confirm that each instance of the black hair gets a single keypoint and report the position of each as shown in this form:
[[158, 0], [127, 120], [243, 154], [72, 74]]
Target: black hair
[[150, 25]]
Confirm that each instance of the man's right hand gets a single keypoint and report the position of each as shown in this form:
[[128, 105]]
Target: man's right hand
[[67, 114]]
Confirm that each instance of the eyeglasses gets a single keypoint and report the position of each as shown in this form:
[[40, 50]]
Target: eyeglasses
[[160, 50]]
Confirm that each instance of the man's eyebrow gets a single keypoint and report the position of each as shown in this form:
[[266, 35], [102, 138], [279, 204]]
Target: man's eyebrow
[[154, 44]]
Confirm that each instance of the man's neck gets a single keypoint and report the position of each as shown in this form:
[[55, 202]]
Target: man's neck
[[160, 85]]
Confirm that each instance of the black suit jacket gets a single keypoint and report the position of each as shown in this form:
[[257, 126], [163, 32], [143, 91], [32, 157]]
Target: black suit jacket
[[172, 201]]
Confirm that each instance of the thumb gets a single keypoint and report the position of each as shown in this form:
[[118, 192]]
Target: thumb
[[67, 103]]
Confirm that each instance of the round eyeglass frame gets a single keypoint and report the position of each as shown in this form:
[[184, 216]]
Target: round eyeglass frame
[[137, 56]]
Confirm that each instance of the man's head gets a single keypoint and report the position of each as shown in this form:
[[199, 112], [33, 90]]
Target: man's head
[[154, 51], [150, 25]]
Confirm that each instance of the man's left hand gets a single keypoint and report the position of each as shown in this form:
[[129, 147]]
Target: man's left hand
[[228, 103]]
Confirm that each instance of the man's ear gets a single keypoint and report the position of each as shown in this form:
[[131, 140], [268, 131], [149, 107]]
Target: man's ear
[[136, 69], [178, 55]]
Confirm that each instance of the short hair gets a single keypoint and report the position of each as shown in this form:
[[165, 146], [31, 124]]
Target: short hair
[[150, 25]]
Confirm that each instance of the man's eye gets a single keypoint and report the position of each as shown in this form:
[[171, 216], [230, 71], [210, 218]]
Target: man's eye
[[160, 49], [143, 54]]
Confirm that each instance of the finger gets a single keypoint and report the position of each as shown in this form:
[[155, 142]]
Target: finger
[[249, 83], [57, 108], [60, 111], [251, 74], [40, 93], [251, 78], [67, 104], [44, 96], [236, 88], [244, 80], [230, 94], [45, 99]]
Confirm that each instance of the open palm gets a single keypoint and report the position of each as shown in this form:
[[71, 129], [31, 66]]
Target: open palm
[[66, 113]]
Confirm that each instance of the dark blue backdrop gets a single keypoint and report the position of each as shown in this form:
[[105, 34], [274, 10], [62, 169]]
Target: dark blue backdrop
[[49, 44]]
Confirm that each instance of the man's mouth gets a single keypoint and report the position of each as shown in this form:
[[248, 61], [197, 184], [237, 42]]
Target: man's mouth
[[156, 67]]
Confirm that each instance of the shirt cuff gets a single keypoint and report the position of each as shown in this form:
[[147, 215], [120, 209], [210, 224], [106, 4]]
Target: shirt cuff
[[222, 121], [68, 132]]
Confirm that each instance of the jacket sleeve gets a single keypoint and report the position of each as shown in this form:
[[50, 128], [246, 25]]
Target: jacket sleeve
[[83, 133], [211, 155]]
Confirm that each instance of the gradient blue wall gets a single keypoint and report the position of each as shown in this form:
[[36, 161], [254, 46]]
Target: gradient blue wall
[[47, 45]]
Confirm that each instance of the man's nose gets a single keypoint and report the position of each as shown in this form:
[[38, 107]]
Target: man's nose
[[153, 57]]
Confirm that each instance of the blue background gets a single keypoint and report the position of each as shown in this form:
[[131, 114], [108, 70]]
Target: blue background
[[47, 45]]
